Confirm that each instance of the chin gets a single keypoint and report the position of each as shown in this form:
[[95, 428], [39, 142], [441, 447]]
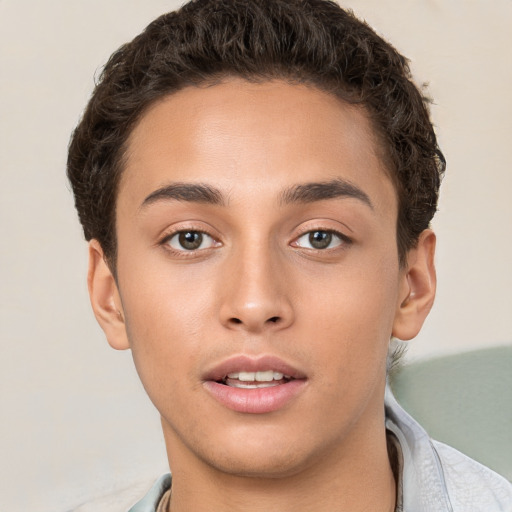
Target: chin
[[270, 457], [270, 466]]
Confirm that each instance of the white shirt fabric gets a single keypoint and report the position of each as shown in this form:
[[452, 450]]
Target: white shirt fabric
[[434, 478]]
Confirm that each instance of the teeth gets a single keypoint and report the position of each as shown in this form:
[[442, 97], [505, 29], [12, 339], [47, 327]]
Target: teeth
[[245, 385], [265, 376]]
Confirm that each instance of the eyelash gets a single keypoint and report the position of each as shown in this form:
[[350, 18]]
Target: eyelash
[[343, 239], [184, 253]]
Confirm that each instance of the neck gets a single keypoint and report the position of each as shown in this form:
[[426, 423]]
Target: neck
[[355, 477]]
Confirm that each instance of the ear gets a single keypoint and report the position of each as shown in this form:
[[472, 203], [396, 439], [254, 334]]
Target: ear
[[105, 298], [417, 289]]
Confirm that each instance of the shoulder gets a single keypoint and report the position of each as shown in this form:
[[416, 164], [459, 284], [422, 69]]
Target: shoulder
[[120, 501], [471, 486], [436, 477]]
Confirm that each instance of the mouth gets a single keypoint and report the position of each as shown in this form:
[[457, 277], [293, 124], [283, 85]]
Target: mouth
[[255, 380], [254, 385], [244, 371]]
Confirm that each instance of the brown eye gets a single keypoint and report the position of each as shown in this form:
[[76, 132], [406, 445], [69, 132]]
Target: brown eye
[[320, 239], [190, 241]]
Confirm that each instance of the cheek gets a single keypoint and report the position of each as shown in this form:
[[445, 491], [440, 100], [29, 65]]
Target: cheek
[[350, 313], [353, 297], [166, 316], [159, 296]]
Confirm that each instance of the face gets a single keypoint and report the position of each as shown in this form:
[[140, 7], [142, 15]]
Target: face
[[258, 275]]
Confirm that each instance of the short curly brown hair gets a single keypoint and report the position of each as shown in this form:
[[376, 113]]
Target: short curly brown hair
[[312, 42]]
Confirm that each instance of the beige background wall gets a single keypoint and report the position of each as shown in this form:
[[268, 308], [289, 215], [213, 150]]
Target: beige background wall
[[74, 420]]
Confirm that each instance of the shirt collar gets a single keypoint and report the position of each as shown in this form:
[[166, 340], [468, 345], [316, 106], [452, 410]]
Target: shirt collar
[[423, 483]]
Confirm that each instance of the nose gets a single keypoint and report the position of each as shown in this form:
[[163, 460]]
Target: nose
[[255, 293]]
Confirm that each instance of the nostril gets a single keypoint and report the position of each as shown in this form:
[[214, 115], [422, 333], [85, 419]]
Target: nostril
[[238, 321]]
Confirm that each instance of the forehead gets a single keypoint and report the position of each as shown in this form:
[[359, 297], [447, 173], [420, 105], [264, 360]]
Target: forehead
[[249, 138]]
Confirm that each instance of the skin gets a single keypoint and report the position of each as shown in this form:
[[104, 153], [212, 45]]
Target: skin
[[256, 286]]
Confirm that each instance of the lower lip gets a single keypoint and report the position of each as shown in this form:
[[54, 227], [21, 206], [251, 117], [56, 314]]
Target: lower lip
[[257, 400]]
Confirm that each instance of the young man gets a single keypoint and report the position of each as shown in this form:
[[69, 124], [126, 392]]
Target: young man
[[256, 179]]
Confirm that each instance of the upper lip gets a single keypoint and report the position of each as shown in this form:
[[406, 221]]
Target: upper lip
[[245, 363]]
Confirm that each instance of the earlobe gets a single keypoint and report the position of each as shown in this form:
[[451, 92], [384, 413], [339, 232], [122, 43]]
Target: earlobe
[[105, 298], [418, 288]]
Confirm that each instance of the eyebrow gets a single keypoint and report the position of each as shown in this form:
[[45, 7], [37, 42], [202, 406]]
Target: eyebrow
[[301, 193], [333, 189], [190, 192]]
